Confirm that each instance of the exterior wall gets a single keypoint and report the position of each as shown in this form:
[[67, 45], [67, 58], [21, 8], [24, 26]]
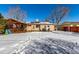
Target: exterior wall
[[39, 27], [70, 28], [74, 29], [52, 27], [16, 26], [30, 26], [47, 27], [42, 27], [35, 27]]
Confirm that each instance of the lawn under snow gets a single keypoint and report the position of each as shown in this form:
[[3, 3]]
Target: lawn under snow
[[53, 43], [51, 46], [56, 42]]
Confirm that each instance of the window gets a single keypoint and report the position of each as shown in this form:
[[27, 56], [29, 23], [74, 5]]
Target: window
[[29, 24], [48, 26], [37, 26], [33, 27], [14, 25]]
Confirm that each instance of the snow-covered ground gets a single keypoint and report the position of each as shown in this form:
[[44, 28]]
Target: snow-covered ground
[[51, 46], [40, 42]]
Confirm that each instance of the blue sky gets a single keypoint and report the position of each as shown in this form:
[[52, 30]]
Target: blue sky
[[41, 11]]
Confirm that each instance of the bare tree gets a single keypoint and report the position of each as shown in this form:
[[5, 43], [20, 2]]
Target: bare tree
[[17, 13], [57, 15]]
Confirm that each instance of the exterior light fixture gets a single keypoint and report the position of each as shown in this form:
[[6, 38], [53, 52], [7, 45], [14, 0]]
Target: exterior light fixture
[[71, 25], [77, 25]]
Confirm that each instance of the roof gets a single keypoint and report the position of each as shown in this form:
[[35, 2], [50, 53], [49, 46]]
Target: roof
[[70, 23], [16, 21], [42, 23]]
